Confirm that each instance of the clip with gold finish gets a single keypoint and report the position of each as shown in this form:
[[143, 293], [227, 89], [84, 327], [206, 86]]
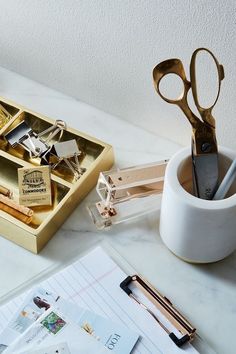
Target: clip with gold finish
[[127, 193], [33, 142], [58, 127], [25, 137], [164, 313], [67, 152]]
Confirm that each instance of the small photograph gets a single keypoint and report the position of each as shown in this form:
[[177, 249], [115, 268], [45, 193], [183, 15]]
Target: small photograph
[[36, 304], [53, 322]]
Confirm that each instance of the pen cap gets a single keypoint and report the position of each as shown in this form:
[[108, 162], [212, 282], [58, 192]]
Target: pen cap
[[197, 230]]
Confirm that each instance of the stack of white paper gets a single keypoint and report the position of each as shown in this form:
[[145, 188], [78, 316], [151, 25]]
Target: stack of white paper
[[93, 283]]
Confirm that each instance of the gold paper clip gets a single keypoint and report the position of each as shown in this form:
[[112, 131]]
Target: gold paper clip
[[127, 193], [183, 331]]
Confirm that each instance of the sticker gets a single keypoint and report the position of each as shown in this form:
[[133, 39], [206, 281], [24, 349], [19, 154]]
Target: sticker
[[34, 186]]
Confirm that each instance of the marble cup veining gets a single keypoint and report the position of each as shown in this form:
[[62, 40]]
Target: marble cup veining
[[197, 230]]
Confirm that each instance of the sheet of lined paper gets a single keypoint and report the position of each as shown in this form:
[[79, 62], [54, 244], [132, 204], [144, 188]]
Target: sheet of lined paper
[[93, 282]]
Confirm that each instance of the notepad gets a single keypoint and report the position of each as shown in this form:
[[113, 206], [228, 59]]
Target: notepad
[[93, 282]]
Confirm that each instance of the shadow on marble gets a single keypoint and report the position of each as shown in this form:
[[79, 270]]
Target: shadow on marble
[[224, 270]]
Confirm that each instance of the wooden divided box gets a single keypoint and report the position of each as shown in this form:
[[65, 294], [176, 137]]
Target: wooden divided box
[[67, 192]]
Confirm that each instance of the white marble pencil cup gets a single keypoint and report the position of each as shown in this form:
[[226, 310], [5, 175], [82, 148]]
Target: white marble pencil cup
[[197, 230]]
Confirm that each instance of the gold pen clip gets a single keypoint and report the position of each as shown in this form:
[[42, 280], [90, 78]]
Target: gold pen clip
[[181, 324]]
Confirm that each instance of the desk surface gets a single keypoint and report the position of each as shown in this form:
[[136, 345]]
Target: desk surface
[[205, 293]]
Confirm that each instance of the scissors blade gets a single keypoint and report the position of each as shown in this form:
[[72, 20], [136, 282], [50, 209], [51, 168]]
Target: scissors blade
[[205, 175]]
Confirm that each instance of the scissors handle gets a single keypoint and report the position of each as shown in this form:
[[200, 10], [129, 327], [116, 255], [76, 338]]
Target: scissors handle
[[204, 144], [205, 112], [175, 66]]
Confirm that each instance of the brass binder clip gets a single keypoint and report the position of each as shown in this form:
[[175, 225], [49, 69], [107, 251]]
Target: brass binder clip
[[127, 193], [33, 142], [180, 330], [67, 152]]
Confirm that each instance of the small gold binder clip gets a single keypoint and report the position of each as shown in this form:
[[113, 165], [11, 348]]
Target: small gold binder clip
[[164, 313], [33, 142], [67, 152], [58, 127], [127, 193]]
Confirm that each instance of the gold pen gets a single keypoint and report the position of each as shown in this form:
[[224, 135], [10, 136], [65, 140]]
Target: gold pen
[[20, 212], [6, 192]]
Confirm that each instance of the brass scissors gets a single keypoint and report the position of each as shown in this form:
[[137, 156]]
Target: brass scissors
[[204, 144]]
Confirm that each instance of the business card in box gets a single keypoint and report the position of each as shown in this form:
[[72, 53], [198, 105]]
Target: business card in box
[[67, 192]]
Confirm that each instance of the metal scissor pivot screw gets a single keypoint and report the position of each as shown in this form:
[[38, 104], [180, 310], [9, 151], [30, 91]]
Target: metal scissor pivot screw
[[206, 147]]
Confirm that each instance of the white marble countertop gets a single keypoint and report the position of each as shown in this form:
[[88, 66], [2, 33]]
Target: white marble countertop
[[205, 293]]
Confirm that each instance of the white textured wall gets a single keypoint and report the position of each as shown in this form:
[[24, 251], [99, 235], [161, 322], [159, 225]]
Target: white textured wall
[[103, 52]]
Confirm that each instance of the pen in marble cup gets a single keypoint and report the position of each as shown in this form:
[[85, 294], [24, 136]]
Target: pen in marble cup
[[227, 182]]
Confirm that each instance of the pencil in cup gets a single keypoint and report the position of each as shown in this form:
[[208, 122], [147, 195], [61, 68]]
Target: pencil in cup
[[227, 182]]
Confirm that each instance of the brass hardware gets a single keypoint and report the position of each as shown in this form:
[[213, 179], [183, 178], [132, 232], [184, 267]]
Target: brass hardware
[[204, 128], [34, 142], [67, 152], [67, 192], [163, 304], [5, 116], [205, 165], [127, 193], [58, 127]]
